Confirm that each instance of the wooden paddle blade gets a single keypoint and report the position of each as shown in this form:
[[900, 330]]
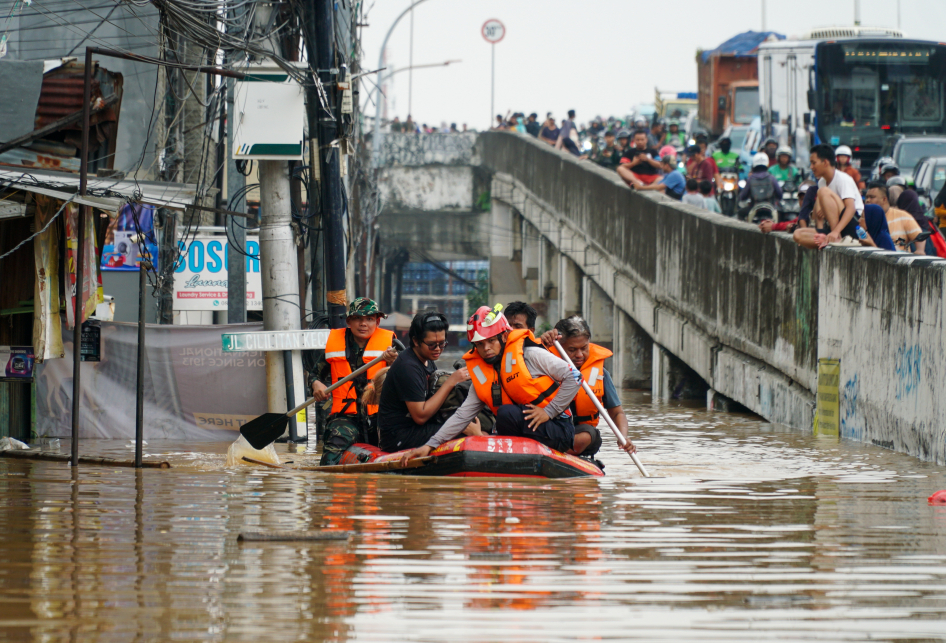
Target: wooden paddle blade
[[262, 431]]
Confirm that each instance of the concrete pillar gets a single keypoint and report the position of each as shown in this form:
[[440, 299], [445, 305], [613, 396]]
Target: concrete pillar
[[531, 249], [660, 377], [671, 378], [570, 287], [599, 313], [549, 275], [505, 261], [633, 353]]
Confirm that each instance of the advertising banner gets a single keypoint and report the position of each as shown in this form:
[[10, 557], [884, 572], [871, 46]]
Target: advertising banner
[[193, 390], [128, 234], [17, 363], [200, 281]]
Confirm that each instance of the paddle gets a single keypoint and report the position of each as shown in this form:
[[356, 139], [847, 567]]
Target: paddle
[[362, 467], [601, 410], [262, 431]]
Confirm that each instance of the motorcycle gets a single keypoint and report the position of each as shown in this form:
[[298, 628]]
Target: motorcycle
[[728, 192], [788, 206]]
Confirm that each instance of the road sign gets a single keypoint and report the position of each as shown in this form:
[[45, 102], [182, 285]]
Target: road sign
[[493, 31], [275, 340]]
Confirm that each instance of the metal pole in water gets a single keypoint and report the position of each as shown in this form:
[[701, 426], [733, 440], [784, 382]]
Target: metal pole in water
[[143, 267], [80, 257], [290, 396]]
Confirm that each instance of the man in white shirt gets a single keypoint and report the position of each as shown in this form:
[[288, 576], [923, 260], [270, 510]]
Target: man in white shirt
[[838, 209]]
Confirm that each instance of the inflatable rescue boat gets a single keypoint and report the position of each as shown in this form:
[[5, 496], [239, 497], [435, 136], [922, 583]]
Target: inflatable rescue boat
[[485, 456]]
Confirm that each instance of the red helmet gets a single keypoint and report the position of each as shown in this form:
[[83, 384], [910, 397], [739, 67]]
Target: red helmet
[[486, 323]]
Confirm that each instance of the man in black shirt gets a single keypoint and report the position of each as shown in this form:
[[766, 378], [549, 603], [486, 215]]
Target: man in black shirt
[[640, 165], [405, 413]]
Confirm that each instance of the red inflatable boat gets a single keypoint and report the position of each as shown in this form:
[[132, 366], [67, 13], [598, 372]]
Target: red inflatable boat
[[487, 456]]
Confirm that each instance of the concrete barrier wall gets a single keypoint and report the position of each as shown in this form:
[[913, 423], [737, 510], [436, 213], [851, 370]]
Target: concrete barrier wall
[[751, 313], [755, 293], [882, 315]]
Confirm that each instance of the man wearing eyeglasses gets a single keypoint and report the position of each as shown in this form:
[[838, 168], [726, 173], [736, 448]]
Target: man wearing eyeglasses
[[346, 350], [406, 413]]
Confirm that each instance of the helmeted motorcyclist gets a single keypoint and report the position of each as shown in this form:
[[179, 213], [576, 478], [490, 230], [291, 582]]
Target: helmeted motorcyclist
[[889, 170], [726, 159], [675, 137], [770, 147], [761, 187], [784, 170]]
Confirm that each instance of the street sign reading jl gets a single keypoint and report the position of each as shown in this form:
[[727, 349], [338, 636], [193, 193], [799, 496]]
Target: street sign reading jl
[[493, 31], [275, 340]]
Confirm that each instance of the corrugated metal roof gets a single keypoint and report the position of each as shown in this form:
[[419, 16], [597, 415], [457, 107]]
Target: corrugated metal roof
[[176, 196]]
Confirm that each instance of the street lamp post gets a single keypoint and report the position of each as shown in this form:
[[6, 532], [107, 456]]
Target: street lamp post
[[375, 142]]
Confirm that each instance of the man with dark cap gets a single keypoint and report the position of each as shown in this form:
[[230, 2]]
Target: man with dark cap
[[347, 350]]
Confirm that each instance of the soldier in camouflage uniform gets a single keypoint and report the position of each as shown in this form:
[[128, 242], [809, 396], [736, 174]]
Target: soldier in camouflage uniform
[[346, 350]]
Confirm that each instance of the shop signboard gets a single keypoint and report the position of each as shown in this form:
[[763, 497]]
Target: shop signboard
[[200, 280]]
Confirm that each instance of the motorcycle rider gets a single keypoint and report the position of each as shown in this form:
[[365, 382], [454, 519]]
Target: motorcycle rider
[[842, 156], [888, 171], [726, 159], [675, 137], [770, 147], [784, 171], [761, 187], [608, 155]]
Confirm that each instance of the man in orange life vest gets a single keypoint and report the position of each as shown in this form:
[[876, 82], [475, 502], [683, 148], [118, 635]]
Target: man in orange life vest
[[527, 388], [574, 335], [348, 349]]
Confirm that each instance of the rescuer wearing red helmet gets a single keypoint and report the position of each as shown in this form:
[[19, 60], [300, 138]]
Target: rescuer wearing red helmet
[[527, 388]]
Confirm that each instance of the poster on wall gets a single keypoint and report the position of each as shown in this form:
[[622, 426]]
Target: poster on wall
[[17, 363], [129, 235], [200, 281]]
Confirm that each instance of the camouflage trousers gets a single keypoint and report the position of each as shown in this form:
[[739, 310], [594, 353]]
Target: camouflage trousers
[[342, 431]]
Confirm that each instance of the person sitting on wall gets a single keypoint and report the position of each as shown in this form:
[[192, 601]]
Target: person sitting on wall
[[574, 335], [405, 418], [347, 350], [527, 388], [521, 316]]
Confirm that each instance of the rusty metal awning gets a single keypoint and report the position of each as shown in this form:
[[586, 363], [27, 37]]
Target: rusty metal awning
[[60, 185]]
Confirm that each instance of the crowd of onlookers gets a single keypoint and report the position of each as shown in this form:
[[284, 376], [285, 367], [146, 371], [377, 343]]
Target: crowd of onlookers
[[409, 126]]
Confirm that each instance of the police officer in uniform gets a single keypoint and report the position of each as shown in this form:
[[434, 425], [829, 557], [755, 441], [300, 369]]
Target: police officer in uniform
[[347, 350]]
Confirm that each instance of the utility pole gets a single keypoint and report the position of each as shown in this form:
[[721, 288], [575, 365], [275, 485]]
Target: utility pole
[[278, 269], [236, 232], [329, 156]]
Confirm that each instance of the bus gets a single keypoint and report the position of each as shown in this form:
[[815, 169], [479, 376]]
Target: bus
[[852, 86]]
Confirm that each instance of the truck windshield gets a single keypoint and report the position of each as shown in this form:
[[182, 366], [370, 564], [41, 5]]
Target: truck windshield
[[745, 104], [871, 89]]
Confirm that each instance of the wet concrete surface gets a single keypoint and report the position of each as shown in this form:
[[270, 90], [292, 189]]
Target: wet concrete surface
[[751, 533]]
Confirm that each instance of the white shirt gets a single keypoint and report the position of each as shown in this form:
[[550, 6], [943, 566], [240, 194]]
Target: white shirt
[[845, 187]]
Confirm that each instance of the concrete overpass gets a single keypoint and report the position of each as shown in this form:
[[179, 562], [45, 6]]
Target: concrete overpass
[[691, 300]]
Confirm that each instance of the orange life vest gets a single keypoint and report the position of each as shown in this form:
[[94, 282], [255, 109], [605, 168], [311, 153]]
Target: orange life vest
[[515, 385], [344, 399], [592, 371]]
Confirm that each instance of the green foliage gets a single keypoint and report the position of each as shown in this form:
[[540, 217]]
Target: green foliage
[[483, 202]]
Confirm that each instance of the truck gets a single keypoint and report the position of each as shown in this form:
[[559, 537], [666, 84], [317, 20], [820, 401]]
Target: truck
[[728, 81], [675, 105], [854, 86]]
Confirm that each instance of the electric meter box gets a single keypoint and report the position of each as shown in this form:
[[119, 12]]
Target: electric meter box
[[269, 123]]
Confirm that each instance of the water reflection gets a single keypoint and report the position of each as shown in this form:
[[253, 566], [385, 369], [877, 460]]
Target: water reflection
[[753, 532]]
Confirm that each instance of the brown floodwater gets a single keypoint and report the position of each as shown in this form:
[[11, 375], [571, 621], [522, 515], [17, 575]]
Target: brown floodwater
[[753, 533]]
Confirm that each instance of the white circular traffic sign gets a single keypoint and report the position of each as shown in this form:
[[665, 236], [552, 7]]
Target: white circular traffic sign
[[493, 31]]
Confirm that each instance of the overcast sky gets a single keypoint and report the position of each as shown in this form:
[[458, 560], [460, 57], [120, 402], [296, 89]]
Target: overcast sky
[[599, 58]]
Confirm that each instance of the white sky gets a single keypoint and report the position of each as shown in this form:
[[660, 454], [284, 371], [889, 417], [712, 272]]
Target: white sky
[[599, 58]]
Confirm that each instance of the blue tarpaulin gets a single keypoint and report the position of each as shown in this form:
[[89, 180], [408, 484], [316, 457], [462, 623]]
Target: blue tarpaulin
[[744, 44]]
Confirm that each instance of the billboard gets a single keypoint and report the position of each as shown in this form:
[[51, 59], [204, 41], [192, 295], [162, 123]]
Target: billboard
[[200, 281]]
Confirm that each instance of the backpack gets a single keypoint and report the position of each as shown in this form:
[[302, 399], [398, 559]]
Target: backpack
[[761, 188]]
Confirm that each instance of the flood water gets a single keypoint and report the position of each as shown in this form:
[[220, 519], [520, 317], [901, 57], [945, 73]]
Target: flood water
[[754, 533]]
